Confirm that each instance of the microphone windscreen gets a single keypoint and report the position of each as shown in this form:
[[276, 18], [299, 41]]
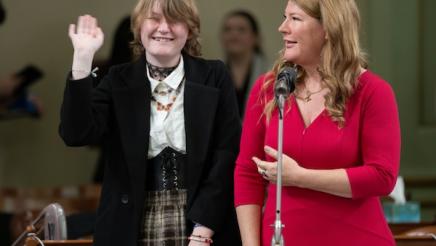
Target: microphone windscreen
[[288, 75]]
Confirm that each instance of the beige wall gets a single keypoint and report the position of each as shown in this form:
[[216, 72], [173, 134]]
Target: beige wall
[[31, 152]]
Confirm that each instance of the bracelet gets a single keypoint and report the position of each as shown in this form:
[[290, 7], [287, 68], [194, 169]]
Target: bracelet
[[93, 72], [199, 238]]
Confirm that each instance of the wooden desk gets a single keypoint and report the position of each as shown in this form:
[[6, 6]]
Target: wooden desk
[[400, 228], [415, 241], [32, 242], [420, 236]]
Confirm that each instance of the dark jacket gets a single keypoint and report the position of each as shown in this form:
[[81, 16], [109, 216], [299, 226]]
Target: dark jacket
[[117, 113]]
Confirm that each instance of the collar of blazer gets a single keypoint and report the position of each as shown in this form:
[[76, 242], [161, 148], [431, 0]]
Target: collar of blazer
[[196, 71]]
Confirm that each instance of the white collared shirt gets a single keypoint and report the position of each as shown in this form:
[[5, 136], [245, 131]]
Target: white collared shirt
[[168, 128]]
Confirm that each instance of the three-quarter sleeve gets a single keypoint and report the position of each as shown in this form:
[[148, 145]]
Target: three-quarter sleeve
[[379, 142], [249, 184]]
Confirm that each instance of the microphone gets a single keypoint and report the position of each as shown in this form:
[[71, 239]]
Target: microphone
[[55, 227], [53, 223], [285, 83]]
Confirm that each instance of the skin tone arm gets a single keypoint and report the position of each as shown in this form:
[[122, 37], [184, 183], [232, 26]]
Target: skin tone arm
[[249, 224], [86, 38], [333, 181], [201, 231]]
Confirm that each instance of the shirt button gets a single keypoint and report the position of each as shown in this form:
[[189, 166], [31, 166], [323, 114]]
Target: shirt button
[[124, 199]]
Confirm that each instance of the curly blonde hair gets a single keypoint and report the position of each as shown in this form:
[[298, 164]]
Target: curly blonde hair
[[174, 10], [341, 55]]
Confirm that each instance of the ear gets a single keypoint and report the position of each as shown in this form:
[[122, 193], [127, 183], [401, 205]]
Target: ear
[[326, 36]]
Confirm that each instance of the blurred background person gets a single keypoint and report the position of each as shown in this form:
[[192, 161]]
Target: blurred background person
[[241, 42], [10, 224], [15, 101]]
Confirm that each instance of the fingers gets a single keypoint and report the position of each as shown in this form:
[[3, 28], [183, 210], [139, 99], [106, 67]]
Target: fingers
[[267, 169], [72, 30], [92, 26], [262, 172], [80, 24], [270, 152], [260, 164], [86, 24], [99, 33]]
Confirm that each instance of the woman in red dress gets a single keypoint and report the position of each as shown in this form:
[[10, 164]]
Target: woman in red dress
[[341, 145]]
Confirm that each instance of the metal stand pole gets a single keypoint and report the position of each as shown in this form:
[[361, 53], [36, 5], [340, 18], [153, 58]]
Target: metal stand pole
[[277, 239]]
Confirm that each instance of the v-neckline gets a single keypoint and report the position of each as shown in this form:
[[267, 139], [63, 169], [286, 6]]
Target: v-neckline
[[301, 115]]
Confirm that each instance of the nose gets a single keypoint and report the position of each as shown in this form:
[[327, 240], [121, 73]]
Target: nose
[[284, 27], [164, 26]]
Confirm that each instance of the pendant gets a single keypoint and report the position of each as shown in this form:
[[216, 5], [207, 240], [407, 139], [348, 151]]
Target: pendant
[[307, 99]]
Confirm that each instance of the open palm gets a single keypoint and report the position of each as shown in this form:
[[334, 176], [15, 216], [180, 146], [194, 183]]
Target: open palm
[[87, 37]]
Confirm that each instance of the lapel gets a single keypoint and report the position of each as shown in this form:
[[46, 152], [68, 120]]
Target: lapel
[[200, 103], [132, 109]]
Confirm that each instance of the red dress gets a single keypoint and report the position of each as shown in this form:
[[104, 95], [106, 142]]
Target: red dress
[[368, 147]]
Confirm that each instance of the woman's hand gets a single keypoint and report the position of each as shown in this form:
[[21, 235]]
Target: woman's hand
[[201, 231], [195, 243], [291, 171], [86, 37]]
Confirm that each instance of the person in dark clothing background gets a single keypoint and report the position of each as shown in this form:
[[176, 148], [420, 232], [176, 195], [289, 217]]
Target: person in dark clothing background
[[241, 42]]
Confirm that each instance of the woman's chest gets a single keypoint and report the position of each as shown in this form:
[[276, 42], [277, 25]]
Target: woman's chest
[[320, 145]]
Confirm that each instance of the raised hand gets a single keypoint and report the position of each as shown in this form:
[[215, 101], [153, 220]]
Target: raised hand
[[86, 37]]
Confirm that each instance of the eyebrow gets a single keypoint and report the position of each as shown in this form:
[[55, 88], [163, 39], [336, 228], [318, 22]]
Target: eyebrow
[[155, 13], [294, 13]]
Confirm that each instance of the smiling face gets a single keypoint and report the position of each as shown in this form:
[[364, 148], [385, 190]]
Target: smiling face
[[163, 39], [303, 36]]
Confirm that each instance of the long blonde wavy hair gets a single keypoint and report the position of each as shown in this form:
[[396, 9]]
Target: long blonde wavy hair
[[185, 11], [341, 55]]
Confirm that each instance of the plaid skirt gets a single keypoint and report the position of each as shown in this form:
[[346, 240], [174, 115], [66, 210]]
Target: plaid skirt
[[164, 221]]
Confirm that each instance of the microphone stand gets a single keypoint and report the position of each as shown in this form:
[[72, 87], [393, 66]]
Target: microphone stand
[[277, 239], [54, 225]]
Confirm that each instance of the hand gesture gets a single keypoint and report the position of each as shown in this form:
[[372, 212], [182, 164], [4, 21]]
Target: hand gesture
[[290, 169], [87, 37]]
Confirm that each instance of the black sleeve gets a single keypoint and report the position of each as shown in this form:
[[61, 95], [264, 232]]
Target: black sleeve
[[214, 202], [85, 111], [5, 228]]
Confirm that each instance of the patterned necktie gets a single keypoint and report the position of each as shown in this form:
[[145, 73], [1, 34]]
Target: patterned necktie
[[164, 96]]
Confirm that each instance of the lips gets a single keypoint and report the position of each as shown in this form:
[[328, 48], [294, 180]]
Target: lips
[[162, 39], [290, 44]]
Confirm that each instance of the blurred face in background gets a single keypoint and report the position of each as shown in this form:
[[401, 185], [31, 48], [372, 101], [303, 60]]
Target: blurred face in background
[[237, 36]]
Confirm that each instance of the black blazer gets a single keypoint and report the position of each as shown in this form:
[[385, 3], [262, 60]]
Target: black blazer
[[117, 113]]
